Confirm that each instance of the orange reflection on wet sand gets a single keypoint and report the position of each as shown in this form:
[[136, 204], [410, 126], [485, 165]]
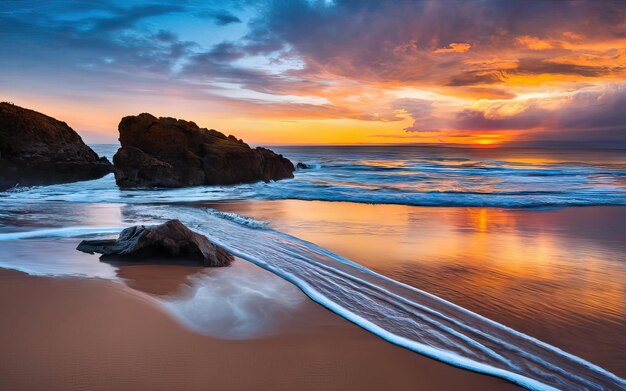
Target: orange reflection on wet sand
[[559, 275]]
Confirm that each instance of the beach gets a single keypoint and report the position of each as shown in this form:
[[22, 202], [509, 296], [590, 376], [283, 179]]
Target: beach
[[357, 273], [556, 274], [75, 333], [312, 195]]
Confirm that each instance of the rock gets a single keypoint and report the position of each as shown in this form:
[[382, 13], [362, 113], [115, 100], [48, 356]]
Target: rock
[[39, 150], [302, 166], [166, 152], [169, 240]]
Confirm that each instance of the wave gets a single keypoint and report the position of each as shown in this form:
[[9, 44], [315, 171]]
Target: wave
[[65, 232], [313, 189], [239, 219], [396, 312], [452, 198], [466, 184], [401, 314]]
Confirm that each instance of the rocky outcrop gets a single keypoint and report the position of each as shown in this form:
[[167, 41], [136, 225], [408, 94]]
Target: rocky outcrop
[[302, 166], [39, 150], [166, 152], [171, 240]]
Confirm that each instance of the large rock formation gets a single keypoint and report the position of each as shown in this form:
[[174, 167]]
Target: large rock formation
[[39, 150], [169, 240], [166, 152]]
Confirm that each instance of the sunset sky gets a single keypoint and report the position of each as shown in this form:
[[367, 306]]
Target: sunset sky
[[317, 72]]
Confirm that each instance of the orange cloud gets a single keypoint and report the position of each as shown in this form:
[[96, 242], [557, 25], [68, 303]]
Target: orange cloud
[[534, 43], [455, 47], [293, 77]]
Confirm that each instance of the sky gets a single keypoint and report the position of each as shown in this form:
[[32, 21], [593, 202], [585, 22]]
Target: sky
[[482, 72]]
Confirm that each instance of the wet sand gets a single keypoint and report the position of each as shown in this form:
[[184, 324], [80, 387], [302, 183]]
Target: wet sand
[[555, 274], [73, 333]]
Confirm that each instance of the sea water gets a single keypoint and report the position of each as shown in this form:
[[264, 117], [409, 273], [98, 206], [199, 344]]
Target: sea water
[[396, 311]]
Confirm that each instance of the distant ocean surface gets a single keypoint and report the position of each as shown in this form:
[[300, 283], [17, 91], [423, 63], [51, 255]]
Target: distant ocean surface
[[503, 252], [457, 177], [410, 175]]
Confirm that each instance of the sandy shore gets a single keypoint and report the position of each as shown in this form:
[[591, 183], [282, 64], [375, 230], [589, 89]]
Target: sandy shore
[[71, 333]]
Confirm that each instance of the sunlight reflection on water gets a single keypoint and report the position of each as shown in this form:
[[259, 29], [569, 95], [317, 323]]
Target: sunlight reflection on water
[[559, 275]]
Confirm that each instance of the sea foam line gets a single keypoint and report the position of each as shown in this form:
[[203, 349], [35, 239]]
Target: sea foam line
[[441, 355], [350, 315], [445, 356], [65, 232], [519, 334], [449, 330]]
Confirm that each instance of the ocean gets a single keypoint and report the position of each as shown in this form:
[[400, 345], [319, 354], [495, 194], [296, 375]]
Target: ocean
[[421, 176], [481, 258]]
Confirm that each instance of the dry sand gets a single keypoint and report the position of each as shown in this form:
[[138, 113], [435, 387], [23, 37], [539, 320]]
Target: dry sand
[[86, 334]]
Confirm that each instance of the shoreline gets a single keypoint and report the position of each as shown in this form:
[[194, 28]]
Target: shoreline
[[453, 254], [381, 245], [74, 333]]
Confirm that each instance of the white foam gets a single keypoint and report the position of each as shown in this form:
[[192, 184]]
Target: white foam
[[441, 355], [456, 307], [461, 337], [289, 253], [65, 232], [239, 219]]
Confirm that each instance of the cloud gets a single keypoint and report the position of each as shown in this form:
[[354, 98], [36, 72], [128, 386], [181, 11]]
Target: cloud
[[422, 112], [369, 41], [87, 44], [529, 66], [586, 110], [476, 93], [454, 48], [534, 66], [325, 60], [221, 17], [534, 43], [470, 78], [397, 40], [593, 114], [127, 18]]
